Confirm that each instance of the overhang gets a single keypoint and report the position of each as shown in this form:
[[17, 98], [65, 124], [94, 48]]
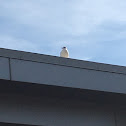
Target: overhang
[[38, 74]]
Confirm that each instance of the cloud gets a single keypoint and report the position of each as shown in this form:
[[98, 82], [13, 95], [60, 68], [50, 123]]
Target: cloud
[[91, 30], [18, 44], [73, 17]]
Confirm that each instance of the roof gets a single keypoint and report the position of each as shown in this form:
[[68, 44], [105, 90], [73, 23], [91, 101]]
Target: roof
[[42, 58], [64, 72]]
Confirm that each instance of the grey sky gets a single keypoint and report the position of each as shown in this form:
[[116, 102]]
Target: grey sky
[[92, 30]]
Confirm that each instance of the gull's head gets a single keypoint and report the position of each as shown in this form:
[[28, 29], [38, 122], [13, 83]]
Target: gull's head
[[64, 47]]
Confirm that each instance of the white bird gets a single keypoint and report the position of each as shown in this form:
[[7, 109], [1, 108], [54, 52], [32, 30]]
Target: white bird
[[64, 53]]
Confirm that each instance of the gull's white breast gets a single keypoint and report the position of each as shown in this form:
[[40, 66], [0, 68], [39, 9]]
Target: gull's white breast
[[64, 53]]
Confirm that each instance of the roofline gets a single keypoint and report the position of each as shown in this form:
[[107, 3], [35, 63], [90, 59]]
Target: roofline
[[48, 59]]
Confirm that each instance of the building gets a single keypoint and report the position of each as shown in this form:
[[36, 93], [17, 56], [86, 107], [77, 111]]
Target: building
[[42, 90]]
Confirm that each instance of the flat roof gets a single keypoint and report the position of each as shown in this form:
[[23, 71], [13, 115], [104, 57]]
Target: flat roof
[[49, 59]]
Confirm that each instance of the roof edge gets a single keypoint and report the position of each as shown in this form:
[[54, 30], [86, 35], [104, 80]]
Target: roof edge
[[42, 58]]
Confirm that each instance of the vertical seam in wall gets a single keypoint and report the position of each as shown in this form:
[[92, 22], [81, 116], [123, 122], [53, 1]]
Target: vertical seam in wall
[[10, 69], [115, 118]]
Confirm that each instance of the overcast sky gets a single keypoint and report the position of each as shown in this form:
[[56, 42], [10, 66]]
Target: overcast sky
[[93, 30]]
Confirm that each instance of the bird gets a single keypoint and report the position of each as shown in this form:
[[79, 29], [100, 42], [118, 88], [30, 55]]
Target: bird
[[64, 53]]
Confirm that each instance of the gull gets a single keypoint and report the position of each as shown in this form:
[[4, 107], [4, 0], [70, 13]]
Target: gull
[[64, 53]]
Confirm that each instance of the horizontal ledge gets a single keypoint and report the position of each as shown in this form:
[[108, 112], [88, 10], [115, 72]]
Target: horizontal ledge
[[34, 57]]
